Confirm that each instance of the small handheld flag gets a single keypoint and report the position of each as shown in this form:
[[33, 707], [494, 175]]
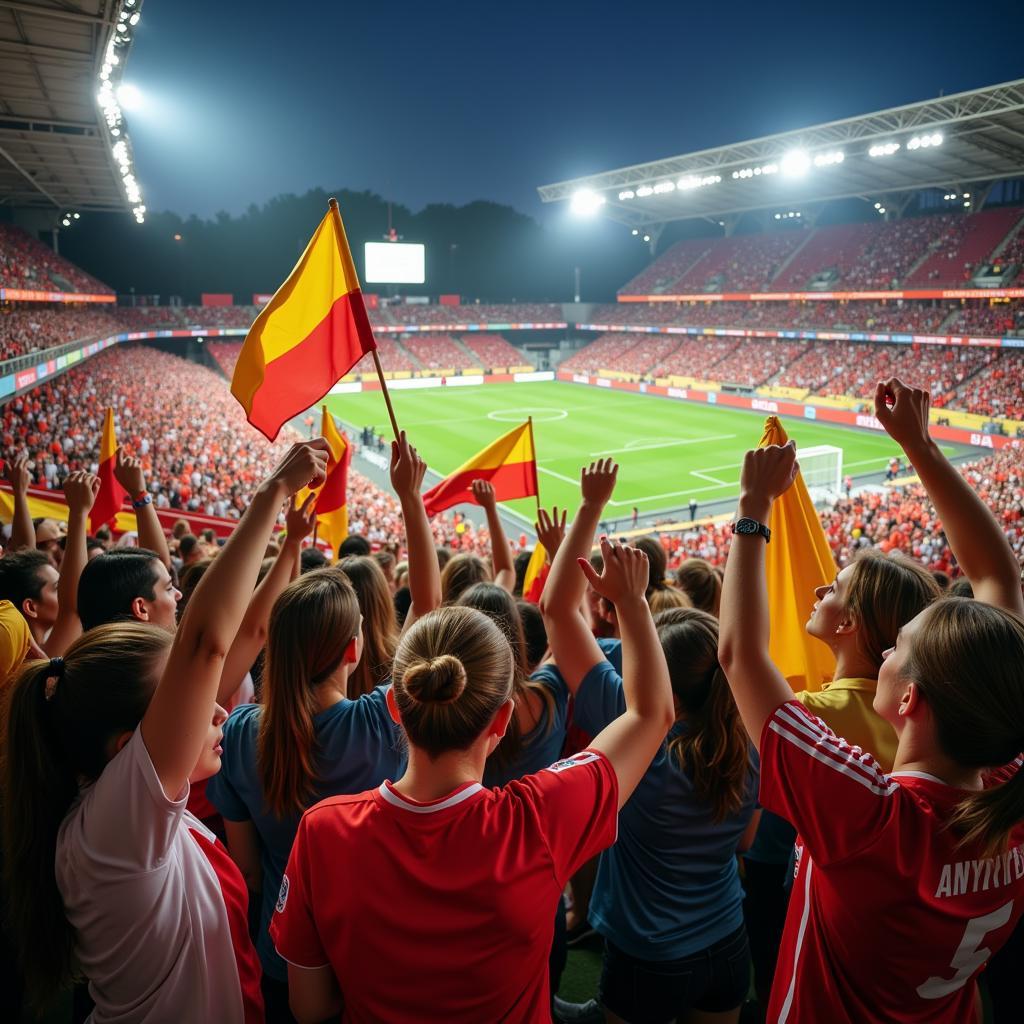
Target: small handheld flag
[[111, 494], [332, 498]]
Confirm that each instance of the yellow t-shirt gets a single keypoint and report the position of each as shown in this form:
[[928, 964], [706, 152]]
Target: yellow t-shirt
[[844, 705]]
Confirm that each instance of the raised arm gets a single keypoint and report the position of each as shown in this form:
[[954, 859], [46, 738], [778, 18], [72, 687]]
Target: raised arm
[[177, 721], [572, 644], [80, 490], [550, 530], [407, 470], [758, 687], [501, 553], [252, 634], [974, 534], [632, 740], [23, 533], [130, 475]]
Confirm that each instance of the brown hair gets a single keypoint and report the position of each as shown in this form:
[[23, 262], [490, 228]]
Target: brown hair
[[713, 749], [966, 660], [51, 743], [380, 626], [500, 607], [882, 595], [668, 597], [699, 581], [453, 670], [657, 563], [311, 625], [461, 572], [189, 581]]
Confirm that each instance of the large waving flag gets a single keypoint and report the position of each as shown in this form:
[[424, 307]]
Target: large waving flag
[[510, 464], [798, 560], [111, 494], [310, 334], [332, 497]]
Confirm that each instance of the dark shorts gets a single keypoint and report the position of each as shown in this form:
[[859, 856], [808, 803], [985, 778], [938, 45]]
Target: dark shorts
[[714, 980]]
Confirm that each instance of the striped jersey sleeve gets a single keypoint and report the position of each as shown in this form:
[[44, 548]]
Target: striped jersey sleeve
[[836, 796]]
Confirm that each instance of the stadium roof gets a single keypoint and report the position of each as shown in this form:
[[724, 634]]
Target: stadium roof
[[60, 123], [966, 139]]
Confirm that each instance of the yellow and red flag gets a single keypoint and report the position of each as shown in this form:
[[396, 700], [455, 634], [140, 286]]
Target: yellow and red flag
[[798, 560], [332, 497], [310, 334], [536, 575], [509, 464], [111, 494]]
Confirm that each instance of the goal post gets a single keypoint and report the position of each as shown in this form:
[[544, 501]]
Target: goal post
[[822, 469]]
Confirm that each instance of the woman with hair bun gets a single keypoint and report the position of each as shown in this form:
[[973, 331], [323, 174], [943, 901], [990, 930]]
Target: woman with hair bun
[[433, 897]]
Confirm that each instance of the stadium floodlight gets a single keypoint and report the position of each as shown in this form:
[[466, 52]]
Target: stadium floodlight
[[796, 163], [884, 149], [66, 222], [644, 191], [753, 172], [585, 202], [967, 195], [925, 141], [691, 181], [967, 202], [128, 96], [134, 19], [829, 159], [626, 193], [636, 231], [664, 186], [647, 238], [76, 216]]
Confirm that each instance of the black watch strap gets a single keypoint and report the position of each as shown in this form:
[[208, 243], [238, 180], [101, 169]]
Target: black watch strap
[[746, 527]]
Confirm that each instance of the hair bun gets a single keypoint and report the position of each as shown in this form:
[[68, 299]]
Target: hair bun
[[438, 681]]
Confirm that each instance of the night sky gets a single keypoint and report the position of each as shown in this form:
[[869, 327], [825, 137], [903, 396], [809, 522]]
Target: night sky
[[449, 102]]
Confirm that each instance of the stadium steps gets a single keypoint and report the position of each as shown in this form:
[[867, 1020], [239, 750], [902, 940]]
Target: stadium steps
[[696, 263], [408, 355], [474, 359], [944, 327], [781, 269], [924, 257], [1017, 229]]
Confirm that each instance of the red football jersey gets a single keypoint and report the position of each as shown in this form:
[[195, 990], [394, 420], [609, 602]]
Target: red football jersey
[[445, 910], [889, 920]]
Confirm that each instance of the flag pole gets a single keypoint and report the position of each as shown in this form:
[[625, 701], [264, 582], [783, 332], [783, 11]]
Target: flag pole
[[336, 213]]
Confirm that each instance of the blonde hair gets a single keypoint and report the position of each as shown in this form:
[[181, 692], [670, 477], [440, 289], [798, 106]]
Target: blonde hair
[[453, 670], [666, 598], [460, 573], [311, 626]]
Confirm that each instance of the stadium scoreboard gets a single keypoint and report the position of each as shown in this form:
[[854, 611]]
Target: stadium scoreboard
[[395, 263]]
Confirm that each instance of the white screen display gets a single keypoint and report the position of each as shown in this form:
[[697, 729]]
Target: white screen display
[[395, 263]]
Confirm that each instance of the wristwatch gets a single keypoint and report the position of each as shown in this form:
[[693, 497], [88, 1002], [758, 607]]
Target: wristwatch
[[142, 500], [751, 526]]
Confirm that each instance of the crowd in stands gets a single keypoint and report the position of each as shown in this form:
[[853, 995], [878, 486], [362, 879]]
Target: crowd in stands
[[963, 247], [756, 362], [739, 264], [469, 313], [493, 351], [242, 785], [32, 328], [438, 352], [29, 264], [979, 320], [998, 392]]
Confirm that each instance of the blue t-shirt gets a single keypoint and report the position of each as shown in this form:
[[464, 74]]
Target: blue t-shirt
[[611, 647], [670, 886], [359, 746], [542, 745]]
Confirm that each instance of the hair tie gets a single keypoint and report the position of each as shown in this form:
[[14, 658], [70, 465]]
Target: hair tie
[[54, 675]]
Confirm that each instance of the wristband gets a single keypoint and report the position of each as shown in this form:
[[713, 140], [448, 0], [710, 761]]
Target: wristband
[[142, 500]]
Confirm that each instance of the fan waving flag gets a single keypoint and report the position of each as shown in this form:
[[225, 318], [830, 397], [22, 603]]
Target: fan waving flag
[[111, 494], [508, 464], [332, 498], [798, 560], [310, 334]]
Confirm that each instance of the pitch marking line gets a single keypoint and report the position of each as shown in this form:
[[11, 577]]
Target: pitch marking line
[[648, 444], [519, 414]]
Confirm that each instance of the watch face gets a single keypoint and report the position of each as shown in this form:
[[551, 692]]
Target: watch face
[[746, 526]]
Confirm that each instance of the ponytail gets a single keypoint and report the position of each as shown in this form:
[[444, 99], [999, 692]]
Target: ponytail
[[311, 626], [59, 719], [987, 818]]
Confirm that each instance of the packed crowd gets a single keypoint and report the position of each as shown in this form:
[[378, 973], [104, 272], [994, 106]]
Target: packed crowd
[[32, 328], [27, 263], [469, 313], [493, 351], [438, 352], [740, 264], [240, 784], [964, 246]]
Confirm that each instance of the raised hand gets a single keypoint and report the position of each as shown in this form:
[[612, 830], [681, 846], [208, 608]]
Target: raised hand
[[80, 489], [484, 493], [129, 474], [550, 530], [625, 574], [903, 411], [768, 472], [17, 472], [597, 482], [407, 468], [304, 464], [299, 519]]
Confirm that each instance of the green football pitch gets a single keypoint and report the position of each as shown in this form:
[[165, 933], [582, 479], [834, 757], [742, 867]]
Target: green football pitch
[[668, 451]]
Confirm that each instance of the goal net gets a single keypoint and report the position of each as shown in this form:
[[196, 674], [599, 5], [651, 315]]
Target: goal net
[[822, 470]]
